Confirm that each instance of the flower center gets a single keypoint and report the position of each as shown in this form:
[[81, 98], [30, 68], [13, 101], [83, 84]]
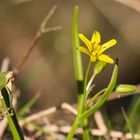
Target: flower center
[[95, 49]]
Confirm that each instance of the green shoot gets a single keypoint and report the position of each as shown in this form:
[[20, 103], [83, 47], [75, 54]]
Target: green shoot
[[78, 68], [27, 106], [128, 124]]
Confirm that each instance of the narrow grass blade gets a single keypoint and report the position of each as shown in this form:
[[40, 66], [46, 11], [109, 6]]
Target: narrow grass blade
[[128, 124], [134, 113], [11, 115], [28, 105], [134, 107], [36, 127]]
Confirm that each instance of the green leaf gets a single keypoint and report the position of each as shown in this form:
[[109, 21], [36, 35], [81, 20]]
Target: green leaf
[[36, 127], [75, 43]]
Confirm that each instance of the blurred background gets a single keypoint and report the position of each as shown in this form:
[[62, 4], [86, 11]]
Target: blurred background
[[49, 69]]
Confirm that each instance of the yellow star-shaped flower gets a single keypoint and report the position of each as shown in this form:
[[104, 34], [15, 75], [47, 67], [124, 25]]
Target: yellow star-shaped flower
[[94, 49]]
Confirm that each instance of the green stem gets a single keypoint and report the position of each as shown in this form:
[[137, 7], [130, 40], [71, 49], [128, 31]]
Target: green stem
[[90, 81], [86, 135], [73, 129], [82, 97], [81, 106], [94, 97]]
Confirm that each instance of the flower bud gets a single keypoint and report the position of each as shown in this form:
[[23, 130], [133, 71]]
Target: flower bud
[[99, 67], [125, 88]]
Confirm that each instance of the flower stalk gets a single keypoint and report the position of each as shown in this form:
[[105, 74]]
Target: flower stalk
[[95, 51]]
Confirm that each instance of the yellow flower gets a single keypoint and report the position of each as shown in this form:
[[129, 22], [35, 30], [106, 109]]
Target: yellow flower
[[95, 50]]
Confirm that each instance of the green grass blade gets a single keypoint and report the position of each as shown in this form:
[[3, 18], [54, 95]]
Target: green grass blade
[[134, 113], [28, 105], [11, 116], [128, 124], [36, 127], [134, 107]]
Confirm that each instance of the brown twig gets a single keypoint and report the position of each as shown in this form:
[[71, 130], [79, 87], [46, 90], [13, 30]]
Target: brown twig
[[5, 64], [38, 115], [42, 30], [69, 107], [100, 122], [48, 111]]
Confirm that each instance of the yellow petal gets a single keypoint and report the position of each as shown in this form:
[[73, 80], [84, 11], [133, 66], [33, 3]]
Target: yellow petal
[[86, 41], [108, 45], [84, 50], [96, 38], [105, 58]]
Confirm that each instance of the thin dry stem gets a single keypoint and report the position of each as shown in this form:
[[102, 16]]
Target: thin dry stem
[[50, 29], [5, 64], [38, 115], [69, 107], [48, 111], [100, 122], [42, 30], [47, 18]]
